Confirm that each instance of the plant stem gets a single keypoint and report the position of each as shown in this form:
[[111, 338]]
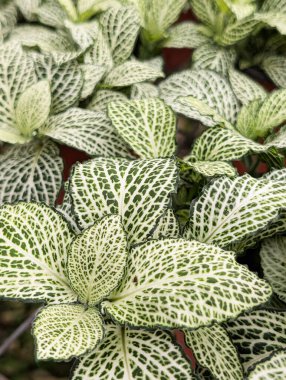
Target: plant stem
[[19, 331]]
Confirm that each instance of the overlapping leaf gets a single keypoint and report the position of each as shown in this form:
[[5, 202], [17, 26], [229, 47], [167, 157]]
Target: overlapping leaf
[[148, 126], [102, 98], [176, 283], [97, 260], [212, 168], [92, 74], [168, 226], [143, 91], [275, 68], [273, 368], [65, 331], [238, 30], [34, 242], [100, 52], [8, 17], [206, 11], [134, 354], [138, 191], [186, 35], [30, 172], [214, 350], [229, 210]]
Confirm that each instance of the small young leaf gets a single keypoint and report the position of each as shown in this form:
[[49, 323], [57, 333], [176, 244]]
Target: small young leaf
[[206, 11], [97, 260], [257, 334], [131, 72], [275, 68], [100, 52], [89, 131], [143, 91], [273, 367], [126, 354], [238, 207], [33, 108], [241, 8], [139, 191], [148, 126], [31, 172], [247, 119], [92, 74], [214, 350], [213, 168], [66, 331], [167, 280], [83, 34], [273, 262], [186, 35], [34, 242], [102, 98], [237, 31]]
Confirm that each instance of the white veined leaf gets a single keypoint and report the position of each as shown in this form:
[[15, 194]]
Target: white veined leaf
[[186, 35], [247, 120], [120, 26], [12, 135], [273, 262], [126, 354], [143, 91], [29, 8], [8, 18], [102, 98], [276, 175], [51, 13], [65, 209], [277, 5], [175, 283], [214, 350], [66, 331], [30, 172], [33, 108], [257, 334], [167, 226], [148, 126], [241, 8], [34, 243], [89, 131], [155, 63], [212, 57], [245, 89], [100, 52], [208, 88], [83, 34], [138, 191], [275, 19], [131, 72], [66, 81], [203, 373], [237, 31], [70, 9], [213, 168], [88, 8], [206, 11], [275, 68], [16, 75], [274, 368], [97, 260], [229, 210], [92, 74]]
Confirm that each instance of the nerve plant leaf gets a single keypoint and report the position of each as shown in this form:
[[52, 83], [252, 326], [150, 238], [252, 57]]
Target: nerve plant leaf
[[273, 262], [66, 331], [167, 227], [214, 350], [246, 205], [186, 35], [97, 260], [148, 126], [143, 91], [29, 172], [138, 191], [176, 283], [275, 68], [257, 334], [274, 367], [134, 354], [34, 242], [102, 98]]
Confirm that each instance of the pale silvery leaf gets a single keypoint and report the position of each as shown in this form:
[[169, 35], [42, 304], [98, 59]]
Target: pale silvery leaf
[[30, 172], [29, 8], [97, 260], [87, 8], [89, 131], [175, 283], [247, 120], [100, 52], [206, 11], [273, 262], [276, 175], [83, 34], [16, 75], [66, 81], [148, 126], [51, 13], [186, 35], [237, 31], [257, 334], [131, 72], [70, 9], [275, 68], [245, 89], [143, 91], [66, 331], [208, 87], [155, 63], [229, 210], [241, 8], [167, 227], [213, 168], [65, 209], [92, 74], [34, 243], [212, 57], [120, 26], [134, 354], [138, 191], [274, 368], [102, 98], [275, 19], [8, 18], [214, 350], [33, 108]]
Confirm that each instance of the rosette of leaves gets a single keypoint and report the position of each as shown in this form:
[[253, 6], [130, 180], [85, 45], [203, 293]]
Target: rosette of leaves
[[111, 271], [238, 113], [37, 103]]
